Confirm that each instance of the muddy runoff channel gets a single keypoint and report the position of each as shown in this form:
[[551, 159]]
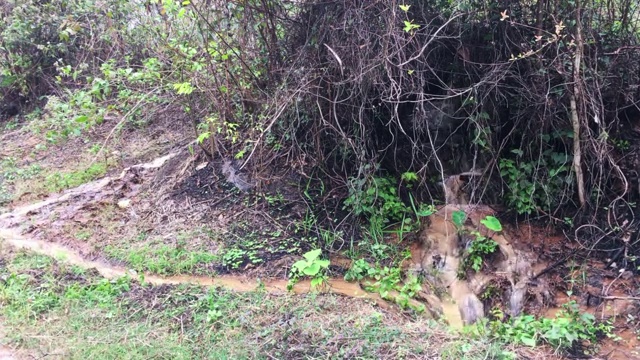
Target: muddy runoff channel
[[437, 256]]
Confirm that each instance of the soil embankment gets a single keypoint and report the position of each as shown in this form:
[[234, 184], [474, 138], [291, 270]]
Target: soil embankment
[[509, 275]]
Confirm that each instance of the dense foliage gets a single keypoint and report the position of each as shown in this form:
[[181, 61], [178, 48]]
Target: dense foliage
[[538, 97]]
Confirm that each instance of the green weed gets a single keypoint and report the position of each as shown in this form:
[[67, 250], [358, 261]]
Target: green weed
[[377, 199], [11, 173], [563, 332], [311, 266], [83, 235], [537, 183], [480, 247], [164, 260], [247, 246], [384, 281], [59, 181]]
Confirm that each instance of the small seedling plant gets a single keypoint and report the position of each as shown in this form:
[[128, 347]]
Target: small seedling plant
[[378, 200], [481, 246], [385, 281], [562, 332], [313, 266]]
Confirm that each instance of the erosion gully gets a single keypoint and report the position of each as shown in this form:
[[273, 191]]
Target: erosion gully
[[436, 237]]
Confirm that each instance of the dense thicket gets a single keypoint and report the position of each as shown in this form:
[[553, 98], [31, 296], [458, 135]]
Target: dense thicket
[[537, 100]]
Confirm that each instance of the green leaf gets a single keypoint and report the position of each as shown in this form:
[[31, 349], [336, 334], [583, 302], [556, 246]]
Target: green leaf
[[323, 263], [300, 265], [459, 217], [492, 223], [183, 88], [425, 211], [82, 119], [315, 282], [405, 8], [204, 136], [528, 341], [312, 270], [312, 255], [7, 81], [409, 26], [409, 176]]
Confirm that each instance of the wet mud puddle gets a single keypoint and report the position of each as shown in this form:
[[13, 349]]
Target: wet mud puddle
[[438, 253]]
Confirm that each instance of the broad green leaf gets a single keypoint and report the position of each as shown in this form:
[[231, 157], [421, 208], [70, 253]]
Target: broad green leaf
[[7, 80], [315, 282], [407, 26], [300, 265], [459, 217], [492, 223], [410, 26], [204, 136], [586, 317], [425, 212], [312, 255], [82, 119], [571, 337], [323, 263], [312, 270], [409, 176], [529, 341]]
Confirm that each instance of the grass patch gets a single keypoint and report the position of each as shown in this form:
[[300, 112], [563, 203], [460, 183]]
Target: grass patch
[[6, 196], [192, 251], [59, 181], [17, 180], [163, 260], [52, 309], [244, 245], [83, 235], [10, 174]]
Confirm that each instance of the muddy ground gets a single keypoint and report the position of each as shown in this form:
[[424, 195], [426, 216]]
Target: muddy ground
[[188, 218]]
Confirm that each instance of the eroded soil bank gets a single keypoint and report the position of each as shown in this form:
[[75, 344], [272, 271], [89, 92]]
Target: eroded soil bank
[[519, 277], [181, 219]]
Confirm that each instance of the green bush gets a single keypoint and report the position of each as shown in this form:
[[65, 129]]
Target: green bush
[[566, 330], [540, 183], [38, 35]]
